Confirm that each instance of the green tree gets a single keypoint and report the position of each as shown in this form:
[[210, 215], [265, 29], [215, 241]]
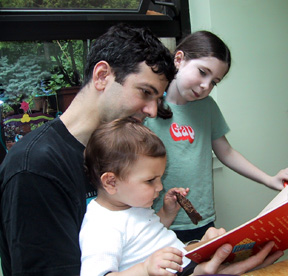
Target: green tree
[[81, 4], [21, 80]]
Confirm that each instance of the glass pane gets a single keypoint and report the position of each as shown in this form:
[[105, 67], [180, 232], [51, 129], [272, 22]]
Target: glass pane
[[33, 69], [32, 78], [71, 4]]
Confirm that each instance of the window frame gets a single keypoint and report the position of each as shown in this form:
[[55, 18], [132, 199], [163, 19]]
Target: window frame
[[29, 24]]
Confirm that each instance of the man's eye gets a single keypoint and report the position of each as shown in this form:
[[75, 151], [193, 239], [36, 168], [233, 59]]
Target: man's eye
[[146, 92]]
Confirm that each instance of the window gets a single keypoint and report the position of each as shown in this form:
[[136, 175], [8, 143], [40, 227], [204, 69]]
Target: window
[[44, 43], [52, 19]]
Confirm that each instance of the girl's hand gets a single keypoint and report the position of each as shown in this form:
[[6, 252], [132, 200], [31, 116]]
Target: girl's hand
[[168, 257], [277, 182]]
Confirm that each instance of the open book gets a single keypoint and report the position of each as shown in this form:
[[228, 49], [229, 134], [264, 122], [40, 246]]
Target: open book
[[270, 224]]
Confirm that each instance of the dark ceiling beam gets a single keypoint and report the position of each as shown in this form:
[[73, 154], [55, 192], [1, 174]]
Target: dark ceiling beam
[[50, 27]]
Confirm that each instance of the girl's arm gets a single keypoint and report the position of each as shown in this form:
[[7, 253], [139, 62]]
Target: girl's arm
[[238, 163]]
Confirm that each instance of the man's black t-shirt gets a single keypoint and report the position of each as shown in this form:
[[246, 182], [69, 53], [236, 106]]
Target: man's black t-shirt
[[43, 187]]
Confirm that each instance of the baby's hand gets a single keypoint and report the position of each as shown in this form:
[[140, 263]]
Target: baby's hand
[[213, 232], [170, 204], [168, 257]]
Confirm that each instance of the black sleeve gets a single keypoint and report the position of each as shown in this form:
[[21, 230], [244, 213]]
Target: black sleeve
[[41, 226]]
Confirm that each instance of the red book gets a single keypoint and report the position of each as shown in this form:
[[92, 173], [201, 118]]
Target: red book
[[247, 239]]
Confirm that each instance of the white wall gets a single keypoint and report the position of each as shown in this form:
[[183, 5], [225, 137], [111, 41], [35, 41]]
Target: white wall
[[253, 97]]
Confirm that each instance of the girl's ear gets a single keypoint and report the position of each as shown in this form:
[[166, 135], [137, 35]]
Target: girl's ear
[[108, 180], [100, 73], [178, 58]]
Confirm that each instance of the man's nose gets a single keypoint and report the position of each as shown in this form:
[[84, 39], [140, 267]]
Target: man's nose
[[150, 109]]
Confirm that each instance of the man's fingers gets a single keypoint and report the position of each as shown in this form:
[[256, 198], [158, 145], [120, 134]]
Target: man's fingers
[[271, 259], [261, 259], [221, 254], [265, 258], [213, 265]]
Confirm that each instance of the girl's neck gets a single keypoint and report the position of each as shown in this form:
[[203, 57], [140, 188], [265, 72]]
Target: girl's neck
[[173, 95]]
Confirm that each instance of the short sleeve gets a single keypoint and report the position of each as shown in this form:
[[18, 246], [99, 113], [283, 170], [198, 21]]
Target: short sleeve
[[219, 126]]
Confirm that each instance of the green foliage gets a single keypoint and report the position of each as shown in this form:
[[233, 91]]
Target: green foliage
[[14, 50], [57, 82], [121, 4], [68, 59], [29, 69], [39, 69], [21, 80], [80, 4], [6, 109]]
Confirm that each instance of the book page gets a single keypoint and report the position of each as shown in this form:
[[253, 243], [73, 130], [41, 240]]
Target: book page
[[281, 198], [247, 239]]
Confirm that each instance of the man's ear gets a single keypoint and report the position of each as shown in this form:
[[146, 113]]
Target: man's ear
[[178, 58], [109, 182], [100, 73]]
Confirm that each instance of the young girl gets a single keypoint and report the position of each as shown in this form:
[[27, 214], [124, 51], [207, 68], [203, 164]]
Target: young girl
[[121, 234], [196, 128]]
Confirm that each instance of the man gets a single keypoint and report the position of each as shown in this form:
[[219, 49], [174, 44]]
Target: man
[[43, 183]]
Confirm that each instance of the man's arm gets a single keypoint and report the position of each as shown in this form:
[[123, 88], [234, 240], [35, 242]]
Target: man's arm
[[39, 227]]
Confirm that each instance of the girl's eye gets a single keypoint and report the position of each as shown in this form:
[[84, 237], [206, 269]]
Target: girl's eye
[[214, 83], [202, 72]]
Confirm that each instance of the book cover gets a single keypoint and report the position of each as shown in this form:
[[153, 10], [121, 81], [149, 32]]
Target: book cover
[[247, 239]]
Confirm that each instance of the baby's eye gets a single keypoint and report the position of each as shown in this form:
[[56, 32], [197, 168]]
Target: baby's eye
[[150, 181], [214, 83]]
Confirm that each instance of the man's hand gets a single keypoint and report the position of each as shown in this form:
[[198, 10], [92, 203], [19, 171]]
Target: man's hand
[[261, 259]]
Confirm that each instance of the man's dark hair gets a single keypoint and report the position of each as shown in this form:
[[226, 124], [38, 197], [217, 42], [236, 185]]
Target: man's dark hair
[[124, 48]]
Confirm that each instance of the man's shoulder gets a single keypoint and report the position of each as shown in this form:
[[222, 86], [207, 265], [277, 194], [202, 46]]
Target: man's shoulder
[[39, 151], [32, 143]]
